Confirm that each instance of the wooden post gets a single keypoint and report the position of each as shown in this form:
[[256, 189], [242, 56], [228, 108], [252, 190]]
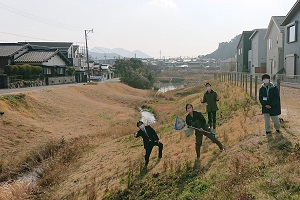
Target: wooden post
[[256, 79], [241, 79], [246, 83], [251, 76], [278, 85]]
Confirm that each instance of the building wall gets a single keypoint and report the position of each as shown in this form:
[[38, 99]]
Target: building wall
[[239, 57], [293, 48], [255, 50], [262, 49], [275, 54], [55, 61], [246, 48]]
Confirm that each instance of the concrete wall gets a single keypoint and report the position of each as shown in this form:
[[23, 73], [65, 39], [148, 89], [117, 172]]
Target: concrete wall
[[60, 80]]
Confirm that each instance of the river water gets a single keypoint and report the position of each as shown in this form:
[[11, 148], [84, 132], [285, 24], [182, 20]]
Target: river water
[[164, 87]]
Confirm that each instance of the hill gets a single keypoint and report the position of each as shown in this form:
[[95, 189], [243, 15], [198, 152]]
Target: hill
[[225, 50], [98, 157], [102, 53]]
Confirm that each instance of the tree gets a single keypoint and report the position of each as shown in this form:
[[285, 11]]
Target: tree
[[135, 73], [70, 71]]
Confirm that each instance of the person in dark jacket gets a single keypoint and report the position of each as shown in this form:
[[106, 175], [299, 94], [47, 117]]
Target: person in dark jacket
[[196, 119], [269, 98], [150, 139], [211, 97]]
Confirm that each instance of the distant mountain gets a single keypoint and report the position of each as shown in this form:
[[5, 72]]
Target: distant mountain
[[102, 53], [225, 50]]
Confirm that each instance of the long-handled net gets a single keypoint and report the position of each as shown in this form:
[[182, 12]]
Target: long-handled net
[[180, 124]]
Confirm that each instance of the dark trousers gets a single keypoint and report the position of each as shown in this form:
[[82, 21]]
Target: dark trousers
[[149, 148], [199, 138], [212, 118]]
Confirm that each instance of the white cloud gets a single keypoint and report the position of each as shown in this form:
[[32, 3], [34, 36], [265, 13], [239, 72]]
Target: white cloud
[[163, 3]]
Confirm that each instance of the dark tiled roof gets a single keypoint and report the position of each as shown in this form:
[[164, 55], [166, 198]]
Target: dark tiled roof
[[39, 56], [9, 49], [61, 46]]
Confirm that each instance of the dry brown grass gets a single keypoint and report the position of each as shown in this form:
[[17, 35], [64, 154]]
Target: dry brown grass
[[103, 118], [17, 190]]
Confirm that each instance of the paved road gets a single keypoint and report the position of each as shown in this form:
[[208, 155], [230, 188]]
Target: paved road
[[28, 89]]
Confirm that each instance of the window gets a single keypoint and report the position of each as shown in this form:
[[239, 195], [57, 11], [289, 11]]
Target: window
[[47, 70], [270, 43], [277, 39], [60, 70], [291, 32]]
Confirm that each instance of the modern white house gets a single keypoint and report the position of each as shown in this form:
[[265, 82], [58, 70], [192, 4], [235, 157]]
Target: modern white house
[[275, 43], [106, 71]]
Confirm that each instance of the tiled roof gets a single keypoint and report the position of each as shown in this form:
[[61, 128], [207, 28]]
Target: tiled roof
[[36, 56], [61, 46], [9, 49]]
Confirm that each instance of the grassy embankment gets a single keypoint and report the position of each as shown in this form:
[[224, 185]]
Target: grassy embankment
[[110, 165], [248, 169]]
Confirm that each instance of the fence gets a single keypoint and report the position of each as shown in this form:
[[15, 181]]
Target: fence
[[251, 83], [248, 82]]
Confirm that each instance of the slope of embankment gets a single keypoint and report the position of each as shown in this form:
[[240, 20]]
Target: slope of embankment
[[82, 139]]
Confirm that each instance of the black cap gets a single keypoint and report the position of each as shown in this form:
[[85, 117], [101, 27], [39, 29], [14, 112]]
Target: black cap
[[139, 123]]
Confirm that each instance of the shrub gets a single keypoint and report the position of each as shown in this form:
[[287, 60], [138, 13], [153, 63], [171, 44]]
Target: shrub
[[27, 71]]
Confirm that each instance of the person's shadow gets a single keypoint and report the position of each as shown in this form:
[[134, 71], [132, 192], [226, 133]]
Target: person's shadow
[[144, 170], [278, 142]]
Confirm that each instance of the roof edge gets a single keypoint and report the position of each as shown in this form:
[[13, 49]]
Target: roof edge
[[291, 13]]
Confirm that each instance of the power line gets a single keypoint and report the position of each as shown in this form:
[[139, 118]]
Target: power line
[[24, 36], [39, 19]]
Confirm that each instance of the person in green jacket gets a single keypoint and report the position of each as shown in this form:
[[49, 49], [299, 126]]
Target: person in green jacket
[[210, 98], [196, 119]]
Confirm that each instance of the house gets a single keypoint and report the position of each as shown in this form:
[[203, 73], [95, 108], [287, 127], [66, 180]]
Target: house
[[54, 65], [70, 51], [292, 41], [275, 40], [244, 45], [227, 65], [106, 71], [9, 52], [257, 56]]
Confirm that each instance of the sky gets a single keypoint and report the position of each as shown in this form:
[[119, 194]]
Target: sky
[[159, 28]]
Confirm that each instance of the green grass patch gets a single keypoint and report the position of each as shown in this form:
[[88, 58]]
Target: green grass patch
[[104, 117], [15, 99]]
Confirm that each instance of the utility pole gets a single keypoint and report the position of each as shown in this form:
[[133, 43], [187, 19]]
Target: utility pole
[[87, 53]]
